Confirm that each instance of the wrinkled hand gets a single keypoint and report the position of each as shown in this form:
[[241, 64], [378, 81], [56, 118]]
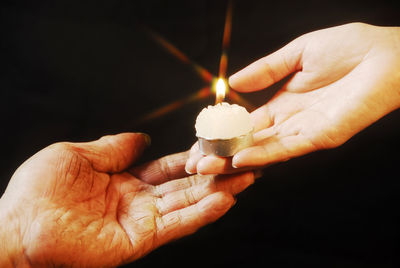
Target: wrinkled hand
[[344, 79], [75, 204]]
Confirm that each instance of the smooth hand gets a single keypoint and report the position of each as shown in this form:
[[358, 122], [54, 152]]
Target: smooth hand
[[343, 79], [76, 204]]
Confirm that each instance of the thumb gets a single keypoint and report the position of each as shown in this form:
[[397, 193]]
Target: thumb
[[113, 153], [269, 69]]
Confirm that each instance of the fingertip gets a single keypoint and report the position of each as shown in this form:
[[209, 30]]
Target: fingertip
[[194, 149], [141, 142], [189, 171], [253, 156], [269, 69], [146, 138], [261, 118], [190, 166], [202, 166], [258, 173], [114, 153], [251, 78], [241, 182], [250, 178], [212, 165], [236, 160], [226, 198], [232, 80], [238, 82], [129, 140], [247, 180], [194, 157], [219, 203]]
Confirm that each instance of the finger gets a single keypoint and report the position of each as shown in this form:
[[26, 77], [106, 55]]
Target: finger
[[113, 153], [189, 219], [194, 149], [274, 150], [182, 193], [305, 81], [262, 118], [264, 134], [270, 69], [191, 163], [212, 164], [161, 170]]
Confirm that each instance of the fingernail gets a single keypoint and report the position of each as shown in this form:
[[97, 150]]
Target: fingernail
[[258, 173], [234, 201], [234, 161], [189, 163], [188, 171], [147, 138]]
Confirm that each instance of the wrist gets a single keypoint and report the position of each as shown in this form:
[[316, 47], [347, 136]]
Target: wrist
[[11, 249]]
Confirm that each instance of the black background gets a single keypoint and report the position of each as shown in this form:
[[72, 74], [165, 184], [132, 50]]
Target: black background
[[77, 70]]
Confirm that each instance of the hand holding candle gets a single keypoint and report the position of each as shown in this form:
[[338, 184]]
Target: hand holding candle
[[330, 97], [224, 129]]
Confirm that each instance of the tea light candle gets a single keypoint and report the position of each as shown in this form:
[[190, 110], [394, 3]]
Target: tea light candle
[[224, 129]]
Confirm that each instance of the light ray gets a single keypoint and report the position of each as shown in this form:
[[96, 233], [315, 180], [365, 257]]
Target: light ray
[[173, 50], [223, 64], [168, 108], [240, 100]]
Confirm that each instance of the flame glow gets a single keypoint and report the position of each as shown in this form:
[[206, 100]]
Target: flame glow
[[218, 86]]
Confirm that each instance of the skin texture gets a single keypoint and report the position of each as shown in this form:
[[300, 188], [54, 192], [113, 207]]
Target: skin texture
[[343, 79], [83, 205]]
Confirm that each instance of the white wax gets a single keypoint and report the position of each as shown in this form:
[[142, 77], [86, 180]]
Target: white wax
[[223, 121]]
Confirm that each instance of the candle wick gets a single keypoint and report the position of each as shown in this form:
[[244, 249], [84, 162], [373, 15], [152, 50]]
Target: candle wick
[[219, 99]]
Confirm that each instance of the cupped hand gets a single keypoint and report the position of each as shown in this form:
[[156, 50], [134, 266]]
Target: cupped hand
[[343, 79], [78, 204]]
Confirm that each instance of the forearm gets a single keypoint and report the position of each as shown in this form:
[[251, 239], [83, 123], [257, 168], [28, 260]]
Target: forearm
[[382, 94], [11, 250], [394, 81]]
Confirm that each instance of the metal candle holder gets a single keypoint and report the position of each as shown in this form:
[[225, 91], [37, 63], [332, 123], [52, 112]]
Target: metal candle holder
[[225, 147]]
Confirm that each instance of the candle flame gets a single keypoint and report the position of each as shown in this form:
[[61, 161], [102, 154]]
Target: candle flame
[[220, 89]]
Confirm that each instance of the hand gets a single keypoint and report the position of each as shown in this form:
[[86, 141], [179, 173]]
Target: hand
[[344, 79], [76, 204]]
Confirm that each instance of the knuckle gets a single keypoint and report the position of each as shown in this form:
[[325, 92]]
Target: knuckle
[[190, 197], [60, 146], [193, 180], [158, 191], [165, 167], [159, 205]]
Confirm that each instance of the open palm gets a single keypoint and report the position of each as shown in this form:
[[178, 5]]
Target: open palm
[[76, 204], [344, 79]]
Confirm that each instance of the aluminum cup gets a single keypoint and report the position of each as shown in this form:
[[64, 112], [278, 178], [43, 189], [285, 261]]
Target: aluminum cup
[[225, 147]]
